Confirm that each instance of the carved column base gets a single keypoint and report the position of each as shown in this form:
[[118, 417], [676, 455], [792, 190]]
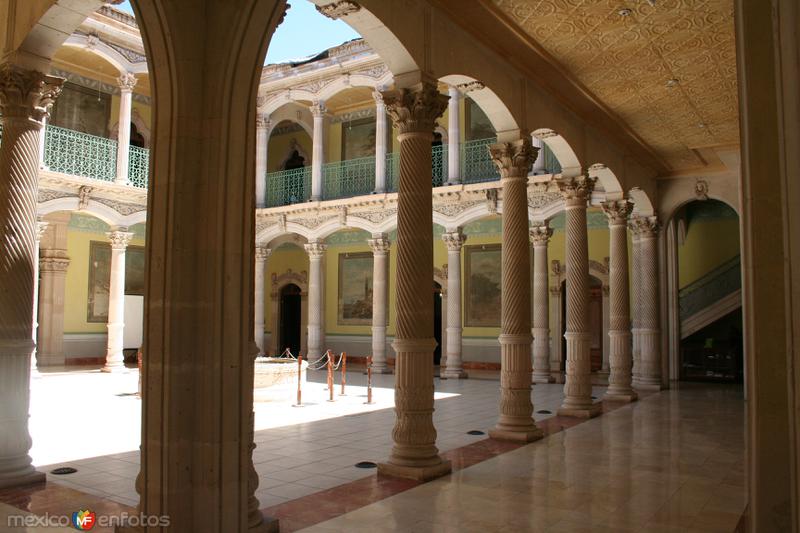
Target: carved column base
[[650, 360], [418, 473], [453, 374], [619, 381], [516, 408], [578, 386]]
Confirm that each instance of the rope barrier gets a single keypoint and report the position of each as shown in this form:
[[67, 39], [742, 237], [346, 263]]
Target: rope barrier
[[343, 361], [369, 380]]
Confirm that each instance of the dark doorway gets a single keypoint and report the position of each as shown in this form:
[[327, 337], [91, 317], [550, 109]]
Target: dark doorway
[[715, 352], [595, 324], [137, 139], [437, 322], [290, 319]]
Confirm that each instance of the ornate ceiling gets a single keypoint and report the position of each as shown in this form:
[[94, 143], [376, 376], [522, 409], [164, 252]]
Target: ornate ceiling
[[626, 52]]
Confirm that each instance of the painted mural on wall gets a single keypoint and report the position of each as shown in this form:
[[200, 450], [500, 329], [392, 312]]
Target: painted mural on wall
[[100, 276], [482, 285], [81, 109], [355, 289], [358, 139]]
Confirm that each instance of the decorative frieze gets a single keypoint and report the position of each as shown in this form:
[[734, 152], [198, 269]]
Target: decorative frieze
[[337, 10]]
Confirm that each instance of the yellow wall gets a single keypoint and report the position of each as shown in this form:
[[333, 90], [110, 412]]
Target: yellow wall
[[708, 244], [281, 259], [76, 295], [278, 148]]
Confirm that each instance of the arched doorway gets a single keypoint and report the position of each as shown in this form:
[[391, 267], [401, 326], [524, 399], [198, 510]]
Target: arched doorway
[[437, 322], [290, 317]]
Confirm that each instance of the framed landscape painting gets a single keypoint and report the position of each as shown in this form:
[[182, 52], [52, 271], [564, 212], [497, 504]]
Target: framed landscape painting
[[355, 289], [482, 285]]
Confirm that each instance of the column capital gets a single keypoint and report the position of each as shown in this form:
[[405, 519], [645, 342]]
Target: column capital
[[617, 211], [127, 82], [315, 249], [379, 244], [262, 253], [378, 97], [27, 94], [415, 110], [318, 109], [53, 260], [263, 122], [577, 191], [337, 10], [647, 227], [454, 240], [540, 234], [119, 238], [41, 227], [514, 159]]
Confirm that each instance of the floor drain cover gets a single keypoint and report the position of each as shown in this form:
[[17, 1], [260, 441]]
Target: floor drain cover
[[366, 464], [544, 412], [594, 397], [63, 470], [475, 432]]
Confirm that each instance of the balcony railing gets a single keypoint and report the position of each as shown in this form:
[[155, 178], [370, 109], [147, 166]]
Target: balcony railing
[[343, 179], [288, 186], [476, 164], [80, 154], [138, 166]]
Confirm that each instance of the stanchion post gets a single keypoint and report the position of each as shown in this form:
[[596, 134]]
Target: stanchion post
[[330, 377], [299, 380], [369, 379], [344, 371]]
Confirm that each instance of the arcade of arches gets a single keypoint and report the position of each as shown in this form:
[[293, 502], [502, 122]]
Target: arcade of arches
[[463, 200]]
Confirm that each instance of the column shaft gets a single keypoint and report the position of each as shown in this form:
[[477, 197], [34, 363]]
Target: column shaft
[[316, 298], [454, 364], [262, 140], [620, 357], [25, 99], [380, 143], [514, 159], [637, 303], [116, 301], [649, 324], [53, 265], [260, 267], [414, 453], [380, 294], [126, 84], [578, 384], [454, 136], [540, 236], [318, 110], [538, 165]]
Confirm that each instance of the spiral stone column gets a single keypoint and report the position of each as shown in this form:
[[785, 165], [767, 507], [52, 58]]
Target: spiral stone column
[[454, 365], [514, 160], [262, 254], [316, 286], [578, 384], [540, 235], [649, 325], [414, 455], [25, 100], [636, 311], [380, 295], [126, 84], [619, 380], [116, 300]]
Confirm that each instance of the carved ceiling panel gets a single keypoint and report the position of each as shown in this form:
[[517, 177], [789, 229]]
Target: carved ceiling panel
[[668, 69]]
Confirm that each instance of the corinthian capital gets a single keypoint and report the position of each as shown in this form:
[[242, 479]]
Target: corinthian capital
[[27, 94], [454, 240], [119, 239], [318, 109], [336, 10], [577, 190], [263, 122], [646, 227], [380, 245], [415, 110], [617, 211], [540, 234], [127, 81], [514, 159], [316, 249]]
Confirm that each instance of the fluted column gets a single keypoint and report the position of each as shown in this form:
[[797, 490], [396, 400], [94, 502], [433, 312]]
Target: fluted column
[[318, 111], [578, 384], [636, 311], [454, 136], [126, 84], [540, 236], [116, 300], [454, 365], [514, 160], [620, 357], [414, 454], [380, 146], [262, 254], [25, 100], [649, 324], [263, 127], [316, 290], [380, 295]]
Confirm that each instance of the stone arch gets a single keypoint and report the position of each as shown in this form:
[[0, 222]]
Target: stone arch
[[674, 194], [268, 234], [607, 180], [570, 164], [101, 49], [641, 202], [292, 112], [491, 104], [351, 222]]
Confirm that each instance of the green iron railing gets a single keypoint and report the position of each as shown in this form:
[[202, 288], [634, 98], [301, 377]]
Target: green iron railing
[[353, 177], [476, 164], [439, 165], [392, 171], [80, 154], [138, 166], [288, 186]]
